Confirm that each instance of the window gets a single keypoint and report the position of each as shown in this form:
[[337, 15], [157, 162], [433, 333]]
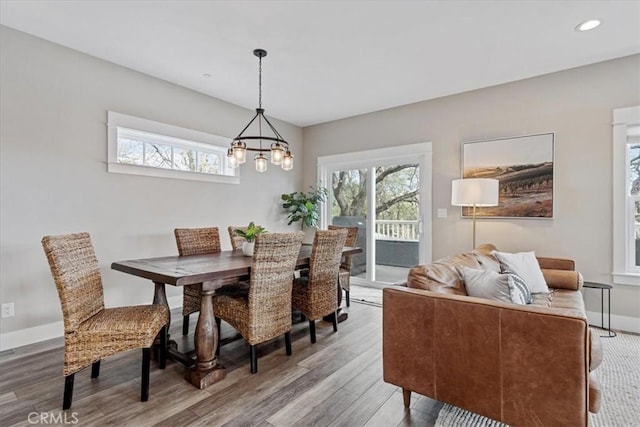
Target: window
[[144, 147], [626, 206], [632, 192], [386, 193]]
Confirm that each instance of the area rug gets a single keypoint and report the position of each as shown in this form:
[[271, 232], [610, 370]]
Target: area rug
[[619, 377]]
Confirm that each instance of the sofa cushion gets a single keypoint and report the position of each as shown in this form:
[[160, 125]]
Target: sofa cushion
[[443, 275], [543, 300], [595, 394], [563, 298], [597, 353], [526, 266], [486, 259]]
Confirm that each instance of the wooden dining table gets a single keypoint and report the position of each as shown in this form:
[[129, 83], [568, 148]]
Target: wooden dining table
[[213, 271]]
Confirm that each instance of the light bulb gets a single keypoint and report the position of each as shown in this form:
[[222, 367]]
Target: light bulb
[[261, 163], [276, 154], [231, 160], [287, 161], [240, 152]]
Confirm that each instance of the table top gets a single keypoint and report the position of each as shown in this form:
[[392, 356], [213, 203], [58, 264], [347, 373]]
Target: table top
[[189, 270], [596, 285]]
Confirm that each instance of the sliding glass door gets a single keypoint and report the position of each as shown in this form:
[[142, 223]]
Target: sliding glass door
[[387, 196]]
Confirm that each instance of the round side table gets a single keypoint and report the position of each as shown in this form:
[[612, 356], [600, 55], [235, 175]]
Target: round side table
[[603, 287]]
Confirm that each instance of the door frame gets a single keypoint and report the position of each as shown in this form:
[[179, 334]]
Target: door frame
[[420, 153]]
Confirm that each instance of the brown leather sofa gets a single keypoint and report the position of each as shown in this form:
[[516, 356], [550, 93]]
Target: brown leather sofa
[[524, 365]]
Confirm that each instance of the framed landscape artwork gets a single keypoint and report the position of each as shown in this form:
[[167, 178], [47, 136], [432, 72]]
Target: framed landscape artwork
[[524, 167]]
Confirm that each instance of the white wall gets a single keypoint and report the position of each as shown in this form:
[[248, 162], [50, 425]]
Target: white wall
[[54, 177], [576, 104]]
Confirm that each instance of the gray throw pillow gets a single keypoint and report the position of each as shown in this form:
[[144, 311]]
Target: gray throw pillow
[[486, 284]]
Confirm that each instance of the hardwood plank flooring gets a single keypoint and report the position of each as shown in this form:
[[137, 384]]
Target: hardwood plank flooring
[[335, 382]]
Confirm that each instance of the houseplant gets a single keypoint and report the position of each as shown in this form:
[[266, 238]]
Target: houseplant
[[249, 235], [304, 207]]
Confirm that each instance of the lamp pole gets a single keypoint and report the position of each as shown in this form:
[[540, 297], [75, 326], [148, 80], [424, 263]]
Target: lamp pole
[[474, 227]]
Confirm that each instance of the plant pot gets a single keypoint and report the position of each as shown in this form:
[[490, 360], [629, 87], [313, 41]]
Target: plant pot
[[309, 234], [247, 248]]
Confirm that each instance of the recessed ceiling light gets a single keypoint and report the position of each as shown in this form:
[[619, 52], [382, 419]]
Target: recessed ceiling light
[[588, 25], [206, 76]]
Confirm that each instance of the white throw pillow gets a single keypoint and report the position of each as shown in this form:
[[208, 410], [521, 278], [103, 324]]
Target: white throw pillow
[[525, 265], [486, 284]]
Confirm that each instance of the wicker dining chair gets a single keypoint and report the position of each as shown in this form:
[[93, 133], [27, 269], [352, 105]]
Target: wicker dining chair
[[344, 277], [316, 295], [236, 241], [265, 312], [194, 241], [92, 332]]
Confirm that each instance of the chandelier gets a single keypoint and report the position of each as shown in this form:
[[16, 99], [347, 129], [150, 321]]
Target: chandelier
[[278, 148]]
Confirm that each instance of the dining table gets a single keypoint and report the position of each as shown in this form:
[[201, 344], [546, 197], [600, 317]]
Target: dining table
[[213, 271]]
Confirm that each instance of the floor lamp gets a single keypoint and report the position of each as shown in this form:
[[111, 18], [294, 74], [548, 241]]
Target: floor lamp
[[474, 192]]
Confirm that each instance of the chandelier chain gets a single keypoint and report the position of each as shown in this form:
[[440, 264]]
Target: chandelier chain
[[260, 82]]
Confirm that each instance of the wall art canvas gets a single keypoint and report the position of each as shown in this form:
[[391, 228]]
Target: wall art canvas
[[524, 167]]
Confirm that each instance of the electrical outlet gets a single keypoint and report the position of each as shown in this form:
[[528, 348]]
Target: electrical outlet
[[8, 310], [442, 213]]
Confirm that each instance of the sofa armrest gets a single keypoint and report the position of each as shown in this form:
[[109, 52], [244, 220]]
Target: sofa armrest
[[556, 263], [562, 279], [496, 359]]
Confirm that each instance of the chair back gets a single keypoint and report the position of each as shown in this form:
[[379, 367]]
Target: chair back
[[324, 267], [352, 239], [274, 261], [236, 241], [76, 273], [197, 241]]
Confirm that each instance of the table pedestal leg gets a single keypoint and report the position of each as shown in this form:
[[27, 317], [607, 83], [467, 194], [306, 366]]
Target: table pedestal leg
[[160, 297], [206, 371]]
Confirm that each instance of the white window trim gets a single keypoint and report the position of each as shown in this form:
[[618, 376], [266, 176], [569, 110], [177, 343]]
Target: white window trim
[[624, 270], [116, 120], [420, 153]]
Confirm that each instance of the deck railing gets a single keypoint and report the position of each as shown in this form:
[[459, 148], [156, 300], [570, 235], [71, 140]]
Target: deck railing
[[397, 230]]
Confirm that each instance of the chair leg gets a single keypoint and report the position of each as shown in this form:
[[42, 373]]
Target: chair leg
[[312, 331], [95, 369], [334, 320], [68, 392], [146, 361], [346, 294], [287, 342], [163, 347], [218, 321], [253, 355], [185, 325]]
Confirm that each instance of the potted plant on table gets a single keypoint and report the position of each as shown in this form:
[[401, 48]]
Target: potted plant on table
[[250, 235], [304, 207]]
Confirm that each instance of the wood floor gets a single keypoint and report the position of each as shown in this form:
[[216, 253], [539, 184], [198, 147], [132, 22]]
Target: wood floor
[[335, 382]]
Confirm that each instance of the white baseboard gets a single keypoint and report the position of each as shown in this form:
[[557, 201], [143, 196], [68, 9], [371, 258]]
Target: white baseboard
[[619, 323], [21, 337], [33, 335]]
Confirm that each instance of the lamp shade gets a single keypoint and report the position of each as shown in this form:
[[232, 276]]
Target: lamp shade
[[478, 191]]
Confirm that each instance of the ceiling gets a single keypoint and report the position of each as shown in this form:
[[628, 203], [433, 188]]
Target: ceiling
[[333, 59]]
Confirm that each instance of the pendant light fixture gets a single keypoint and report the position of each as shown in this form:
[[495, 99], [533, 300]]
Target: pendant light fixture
[[278, 148]]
